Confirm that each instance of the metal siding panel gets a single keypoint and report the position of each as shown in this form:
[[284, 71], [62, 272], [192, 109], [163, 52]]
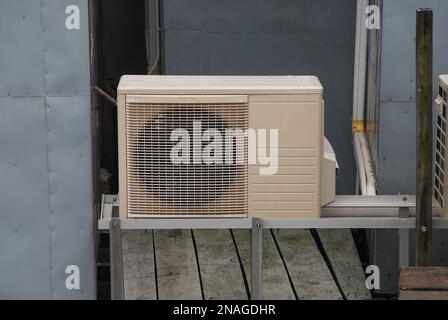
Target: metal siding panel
[[398, 51], [315, 21], [24, 270], [397, 153], [397, 117], [46, 186], [71, 194], [397, 105], [385, 256], [398, 56], [272, 38], [187, 59], [21, 53], [193, 15], [440, 253], [241, 16], [69, 149], [66, 53], [226, 53]]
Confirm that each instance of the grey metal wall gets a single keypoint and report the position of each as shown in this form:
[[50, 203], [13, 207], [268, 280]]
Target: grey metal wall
[[46, 192], [397, 99], [272, 37], [397, 119]]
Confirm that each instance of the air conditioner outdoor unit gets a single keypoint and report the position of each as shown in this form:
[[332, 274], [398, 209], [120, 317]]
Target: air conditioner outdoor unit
[[441, 164], [223, 146]]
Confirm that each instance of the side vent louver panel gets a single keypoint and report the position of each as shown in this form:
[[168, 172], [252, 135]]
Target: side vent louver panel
[[209, 174], [440, 192]]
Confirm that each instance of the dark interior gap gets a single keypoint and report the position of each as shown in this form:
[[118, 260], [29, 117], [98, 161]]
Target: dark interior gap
[[121, 50]]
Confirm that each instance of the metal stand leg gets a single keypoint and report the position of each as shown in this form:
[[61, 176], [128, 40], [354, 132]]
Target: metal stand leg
[[116, 260], [403, 240], [256, 246]]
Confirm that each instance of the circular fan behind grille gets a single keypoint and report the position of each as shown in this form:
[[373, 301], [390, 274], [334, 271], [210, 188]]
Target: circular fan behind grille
[[181, 185]]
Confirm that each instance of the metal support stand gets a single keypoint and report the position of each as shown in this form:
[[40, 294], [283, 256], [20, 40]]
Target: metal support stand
[[403, 240], [257, 248], [116, 261], [347, 212]]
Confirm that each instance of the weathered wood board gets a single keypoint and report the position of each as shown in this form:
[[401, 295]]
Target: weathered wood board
[[424, 284], [342, 252], [219, 266], [177, 271], [204, 264], [275, 282], [423, 295], [138, 265], [309, 273], [424, 279]]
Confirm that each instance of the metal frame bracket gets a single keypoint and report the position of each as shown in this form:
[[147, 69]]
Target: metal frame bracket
[[256, 258], [116, 260]]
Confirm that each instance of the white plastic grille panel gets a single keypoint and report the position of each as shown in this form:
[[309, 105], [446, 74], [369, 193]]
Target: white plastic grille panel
[[158, 187]]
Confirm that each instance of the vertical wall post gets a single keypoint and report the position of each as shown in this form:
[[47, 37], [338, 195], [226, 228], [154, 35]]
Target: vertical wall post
[[424, 55]]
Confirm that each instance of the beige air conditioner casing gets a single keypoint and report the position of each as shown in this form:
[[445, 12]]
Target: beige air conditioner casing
[[150, 186]]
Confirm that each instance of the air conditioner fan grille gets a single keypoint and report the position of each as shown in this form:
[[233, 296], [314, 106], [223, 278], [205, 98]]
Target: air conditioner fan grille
[[157, 186]]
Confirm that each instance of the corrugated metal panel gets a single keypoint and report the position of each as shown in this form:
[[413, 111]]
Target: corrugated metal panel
[[272, 37], [46, 159]]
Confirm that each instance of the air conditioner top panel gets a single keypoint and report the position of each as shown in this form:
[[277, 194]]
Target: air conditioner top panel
[[444, 80], [142, 84]]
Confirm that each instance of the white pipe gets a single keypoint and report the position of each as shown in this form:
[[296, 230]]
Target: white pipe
[[360, 67], [357, 183], [365, 178], [360, 164], [370, 177]]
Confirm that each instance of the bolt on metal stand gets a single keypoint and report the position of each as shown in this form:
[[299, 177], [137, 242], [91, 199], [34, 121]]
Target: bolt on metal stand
[[116, 260], [257, 258]]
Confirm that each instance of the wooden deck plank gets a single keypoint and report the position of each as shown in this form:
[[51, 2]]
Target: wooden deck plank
[[309, 273], [138, 265], [423, 295], [428, 279], [275, 283], [177, 272], [342, 252], [219, 266]]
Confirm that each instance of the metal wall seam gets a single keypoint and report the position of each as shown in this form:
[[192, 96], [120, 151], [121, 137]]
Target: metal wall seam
[[50, 211]]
